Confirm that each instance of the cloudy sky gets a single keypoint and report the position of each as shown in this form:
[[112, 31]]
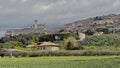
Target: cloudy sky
[[19, 13]]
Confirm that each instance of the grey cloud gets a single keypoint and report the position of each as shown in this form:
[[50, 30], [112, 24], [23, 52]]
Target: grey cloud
[[22, 12]]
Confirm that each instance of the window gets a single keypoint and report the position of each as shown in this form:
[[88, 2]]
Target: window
[[43, 48]]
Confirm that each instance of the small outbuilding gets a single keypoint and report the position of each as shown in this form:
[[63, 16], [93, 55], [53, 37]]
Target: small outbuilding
[[49, 46]]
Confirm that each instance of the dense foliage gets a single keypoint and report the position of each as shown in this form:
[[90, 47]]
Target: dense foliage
[[11, 44], [55, 37], [104, 40], [24, 40]]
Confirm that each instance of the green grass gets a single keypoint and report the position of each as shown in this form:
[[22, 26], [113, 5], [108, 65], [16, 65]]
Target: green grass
[[62, 62]]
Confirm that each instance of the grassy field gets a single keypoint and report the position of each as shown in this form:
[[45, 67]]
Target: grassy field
[[62, 62]]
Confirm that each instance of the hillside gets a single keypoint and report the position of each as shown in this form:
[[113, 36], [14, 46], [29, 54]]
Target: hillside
[[110, 22]]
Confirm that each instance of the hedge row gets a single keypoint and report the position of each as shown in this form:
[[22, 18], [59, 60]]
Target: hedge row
[[65, 53]]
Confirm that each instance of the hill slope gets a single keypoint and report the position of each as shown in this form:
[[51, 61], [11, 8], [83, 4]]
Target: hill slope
[[110, 22]]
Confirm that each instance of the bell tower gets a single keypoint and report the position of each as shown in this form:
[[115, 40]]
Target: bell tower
[[36, 24], [36, 21]]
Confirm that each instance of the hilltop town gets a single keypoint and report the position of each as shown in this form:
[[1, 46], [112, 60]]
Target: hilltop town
[[34, 28], [110, 22]]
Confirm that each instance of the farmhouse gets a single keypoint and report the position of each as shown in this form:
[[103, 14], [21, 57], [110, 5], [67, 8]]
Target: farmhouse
[[48, 46]]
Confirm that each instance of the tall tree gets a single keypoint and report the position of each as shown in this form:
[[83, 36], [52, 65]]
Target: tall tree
[[70, 43]]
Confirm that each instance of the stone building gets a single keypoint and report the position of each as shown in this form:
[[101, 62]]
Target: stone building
[[49, 46], [36, 26], [33, 28]]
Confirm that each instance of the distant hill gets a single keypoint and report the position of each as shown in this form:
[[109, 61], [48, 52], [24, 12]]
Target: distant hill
[[110, 22]]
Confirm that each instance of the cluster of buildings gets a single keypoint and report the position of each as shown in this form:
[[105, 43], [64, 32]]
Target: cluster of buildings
[[33, 28], [110, 22]]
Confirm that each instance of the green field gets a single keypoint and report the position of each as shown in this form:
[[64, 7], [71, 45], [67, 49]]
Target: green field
[[62, 62]]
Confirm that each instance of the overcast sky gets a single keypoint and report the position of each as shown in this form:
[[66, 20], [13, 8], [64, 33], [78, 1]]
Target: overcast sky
[[19, 13]]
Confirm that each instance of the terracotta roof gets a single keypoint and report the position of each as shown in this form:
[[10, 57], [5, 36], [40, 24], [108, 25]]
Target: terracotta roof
[[48, 44]]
